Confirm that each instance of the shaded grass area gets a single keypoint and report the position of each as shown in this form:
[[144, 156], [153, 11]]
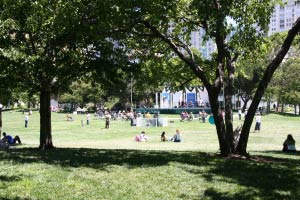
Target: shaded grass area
[[81, 173]]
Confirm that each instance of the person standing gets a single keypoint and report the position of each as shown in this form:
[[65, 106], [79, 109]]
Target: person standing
[[107, 119], [88, 118], [203, 116], [258, 123], [26, 120], [240, 113]]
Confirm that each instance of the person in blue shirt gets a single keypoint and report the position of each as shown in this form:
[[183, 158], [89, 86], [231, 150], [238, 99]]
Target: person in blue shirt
[[10, 140]]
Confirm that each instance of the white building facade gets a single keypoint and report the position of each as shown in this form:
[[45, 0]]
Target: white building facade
[[190, 97], [284, 16]]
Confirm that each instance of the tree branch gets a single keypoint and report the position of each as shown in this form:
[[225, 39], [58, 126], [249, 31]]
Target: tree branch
[[191, 62]]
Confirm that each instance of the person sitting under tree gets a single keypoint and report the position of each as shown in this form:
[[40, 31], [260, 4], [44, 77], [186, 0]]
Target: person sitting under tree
[[289, 144]]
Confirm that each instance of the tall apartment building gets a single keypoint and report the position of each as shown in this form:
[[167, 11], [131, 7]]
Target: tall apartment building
[[284, 16], [205, 47]]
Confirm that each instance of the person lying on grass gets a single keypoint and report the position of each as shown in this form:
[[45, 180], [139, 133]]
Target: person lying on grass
[[10, 140]]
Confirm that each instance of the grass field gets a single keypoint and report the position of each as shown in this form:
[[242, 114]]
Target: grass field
[[91, 162]]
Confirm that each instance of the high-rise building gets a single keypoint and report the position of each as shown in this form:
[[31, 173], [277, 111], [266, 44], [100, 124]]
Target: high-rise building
[[284, 16], [205, 47]]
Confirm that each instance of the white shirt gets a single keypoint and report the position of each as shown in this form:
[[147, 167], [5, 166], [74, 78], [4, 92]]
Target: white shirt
[[258, 119]]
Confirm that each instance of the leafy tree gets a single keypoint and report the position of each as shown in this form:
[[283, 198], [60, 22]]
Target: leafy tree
[[286, 82], [156, 74], [166, 30], [245, 87], [46, 44], [250, 68], [83, 92]]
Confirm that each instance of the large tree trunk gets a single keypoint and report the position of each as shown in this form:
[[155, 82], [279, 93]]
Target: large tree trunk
[[45, 120], [268, 106], [0, 120], [72, 107], [228, 116], [263, 84], [219, 123], [277, 106], [282, 108]]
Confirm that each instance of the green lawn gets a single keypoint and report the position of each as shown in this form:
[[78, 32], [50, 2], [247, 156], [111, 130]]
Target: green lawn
[[91, 162]]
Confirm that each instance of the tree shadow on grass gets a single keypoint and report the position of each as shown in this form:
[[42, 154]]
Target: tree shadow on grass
[[5, 178], [100, 158], [14, 198], [262, 177], [297, 153]]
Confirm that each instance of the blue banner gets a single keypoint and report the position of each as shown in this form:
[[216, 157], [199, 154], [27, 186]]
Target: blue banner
[[191, 98]]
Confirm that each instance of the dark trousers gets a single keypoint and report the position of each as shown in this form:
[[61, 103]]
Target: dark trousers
[[26, 123], [107, 123], [257, 126]]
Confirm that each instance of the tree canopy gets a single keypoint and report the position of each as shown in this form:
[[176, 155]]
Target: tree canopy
[[45, 45], [236, 27]]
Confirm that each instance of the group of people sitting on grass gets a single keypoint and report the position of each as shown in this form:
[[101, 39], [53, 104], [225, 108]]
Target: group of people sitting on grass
[[8, 140], [176, 137], [288, 145], [186, 116]]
